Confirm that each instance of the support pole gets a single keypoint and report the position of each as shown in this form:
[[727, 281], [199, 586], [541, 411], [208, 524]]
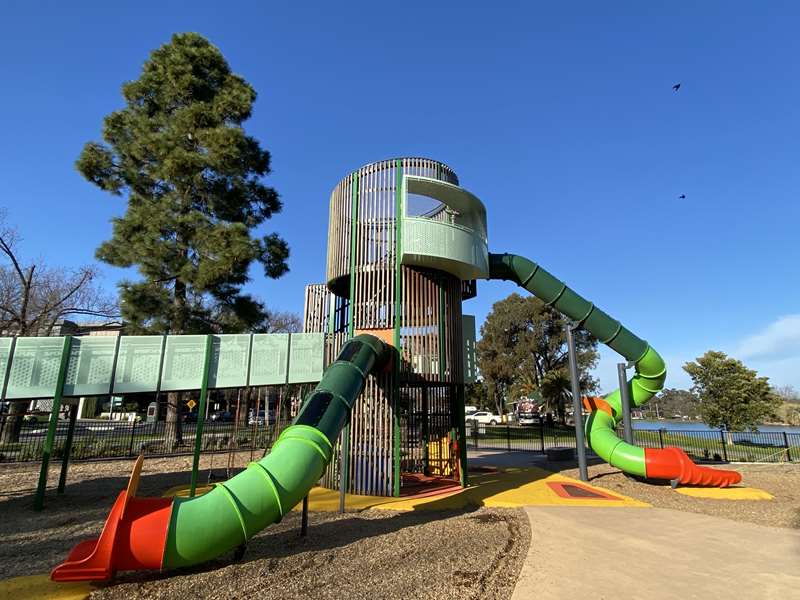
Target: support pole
[[62, 478], [38, 501], [625, 397], [344, 465], [577, 408], [462, 435], [201, 410], [304, 518]]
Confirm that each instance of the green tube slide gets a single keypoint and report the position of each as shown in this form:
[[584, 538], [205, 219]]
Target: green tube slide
[[650, 368], [204, 527]]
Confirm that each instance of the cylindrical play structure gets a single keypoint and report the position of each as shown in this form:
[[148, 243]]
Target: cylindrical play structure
[[403, 240]]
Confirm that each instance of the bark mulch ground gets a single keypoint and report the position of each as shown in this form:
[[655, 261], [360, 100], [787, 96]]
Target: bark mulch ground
[[780, 480], [366, 554]]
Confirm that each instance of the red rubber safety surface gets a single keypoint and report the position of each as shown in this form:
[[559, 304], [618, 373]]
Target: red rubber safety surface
[[674, 463]]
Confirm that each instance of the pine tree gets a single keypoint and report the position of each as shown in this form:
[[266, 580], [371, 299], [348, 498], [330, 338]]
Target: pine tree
[[193, 181]]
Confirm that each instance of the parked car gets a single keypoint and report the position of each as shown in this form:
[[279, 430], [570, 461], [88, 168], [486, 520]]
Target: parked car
[[484, 417], [468, 410], [259, 419], [223, 416], [190, 417]]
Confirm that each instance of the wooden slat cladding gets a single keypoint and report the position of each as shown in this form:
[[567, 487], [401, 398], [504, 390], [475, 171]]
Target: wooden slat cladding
[[425, 294], [376, 194]]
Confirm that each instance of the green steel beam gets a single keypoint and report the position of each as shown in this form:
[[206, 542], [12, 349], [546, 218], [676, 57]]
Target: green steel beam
[[201, 415], [344, 448], [353, 249], [47, 452], [398, 315], [426, 435], [8, 368], [442, 329], [462, 435]]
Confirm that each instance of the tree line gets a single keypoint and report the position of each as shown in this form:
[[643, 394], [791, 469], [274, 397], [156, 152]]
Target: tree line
[[522, 354]]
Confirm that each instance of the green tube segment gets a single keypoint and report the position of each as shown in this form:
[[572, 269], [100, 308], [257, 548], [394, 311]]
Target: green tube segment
[[650, 368], [204, 527]]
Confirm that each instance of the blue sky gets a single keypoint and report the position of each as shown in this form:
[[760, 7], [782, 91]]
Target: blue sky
[[560, 117]]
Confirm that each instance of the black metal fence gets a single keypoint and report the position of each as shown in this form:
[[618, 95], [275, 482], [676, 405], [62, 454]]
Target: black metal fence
[[712, 446], [95, 439]]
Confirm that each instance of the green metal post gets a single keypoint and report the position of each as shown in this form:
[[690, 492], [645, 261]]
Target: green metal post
[[62, 478], [201, 411], [344, 447], [443, 354], [462, 435], [425, 431], [398, 315], [38, 502]]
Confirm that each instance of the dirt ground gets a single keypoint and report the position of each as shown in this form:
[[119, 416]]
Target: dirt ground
[[367, 554]]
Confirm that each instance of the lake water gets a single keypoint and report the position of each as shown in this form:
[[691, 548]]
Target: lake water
[[699, 426]]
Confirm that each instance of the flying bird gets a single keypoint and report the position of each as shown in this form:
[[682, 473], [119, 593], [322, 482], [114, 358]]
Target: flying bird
[[676, 87], [682, 196]]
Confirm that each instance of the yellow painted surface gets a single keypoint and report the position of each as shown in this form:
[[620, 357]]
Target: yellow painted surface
[[183, 491], [510, 488], [731, 493], [41, 588]]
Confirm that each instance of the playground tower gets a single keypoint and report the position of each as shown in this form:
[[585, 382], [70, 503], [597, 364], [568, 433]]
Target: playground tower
[[405, 245]]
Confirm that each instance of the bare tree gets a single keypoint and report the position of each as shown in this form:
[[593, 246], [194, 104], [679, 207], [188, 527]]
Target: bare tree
[[35, 297], [281, 322]]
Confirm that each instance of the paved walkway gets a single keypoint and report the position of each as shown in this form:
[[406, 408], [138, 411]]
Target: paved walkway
[[655, 554]]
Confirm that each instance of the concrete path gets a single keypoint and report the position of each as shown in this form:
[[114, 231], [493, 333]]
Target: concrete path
[[655, 554]]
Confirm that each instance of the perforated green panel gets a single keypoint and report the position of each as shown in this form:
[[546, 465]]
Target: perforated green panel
[[5, 350], [34, 367], [229, 356], [468, 335], [444, 246], [269, 358], [183, 362], [91, 360], [137, 364], [306, 362]]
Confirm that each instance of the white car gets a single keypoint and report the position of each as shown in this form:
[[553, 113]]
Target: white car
[[484, 417]]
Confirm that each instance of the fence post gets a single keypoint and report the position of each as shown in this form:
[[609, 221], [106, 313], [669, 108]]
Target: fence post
[[62, 478], [661, 438], [474, 428], [786, 443], [541, 431], [508, 437], [724, 444], [130, 446]]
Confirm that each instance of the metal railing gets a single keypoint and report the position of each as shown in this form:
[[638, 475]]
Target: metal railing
[[711, 446], [97, 439]]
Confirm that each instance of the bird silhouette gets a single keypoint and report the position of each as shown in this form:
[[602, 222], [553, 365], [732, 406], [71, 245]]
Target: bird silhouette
[[682, 196], [676, 87]]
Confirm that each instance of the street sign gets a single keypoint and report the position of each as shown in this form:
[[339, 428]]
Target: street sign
[[191, 404]]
